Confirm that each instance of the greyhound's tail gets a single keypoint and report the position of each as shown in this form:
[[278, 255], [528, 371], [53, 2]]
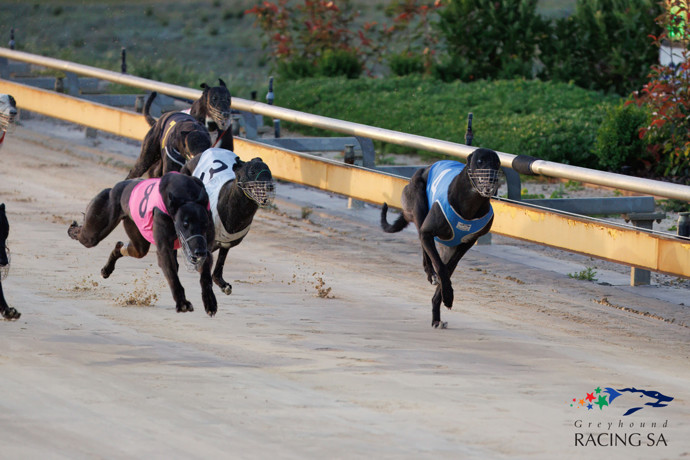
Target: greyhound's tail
[[396, 226], [147, 108]]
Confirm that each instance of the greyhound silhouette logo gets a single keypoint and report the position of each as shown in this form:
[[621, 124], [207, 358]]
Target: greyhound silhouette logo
[[631, 398]]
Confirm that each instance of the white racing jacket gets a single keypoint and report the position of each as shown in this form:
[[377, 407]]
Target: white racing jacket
[[215, 169]]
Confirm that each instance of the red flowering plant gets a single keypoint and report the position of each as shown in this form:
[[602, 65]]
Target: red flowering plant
[[306, 34], [667, 98]]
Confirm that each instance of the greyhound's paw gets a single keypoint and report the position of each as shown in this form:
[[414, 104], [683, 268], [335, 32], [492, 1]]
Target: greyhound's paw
[[106, 272], [227, 289], [184, 306], [211, 305], [433, 279], [439, 324], [74, 230], [11, 314], [448, 297]]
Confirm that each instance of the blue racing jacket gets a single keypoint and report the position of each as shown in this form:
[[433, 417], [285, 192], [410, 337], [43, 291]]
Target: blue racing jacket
[[441, 175]]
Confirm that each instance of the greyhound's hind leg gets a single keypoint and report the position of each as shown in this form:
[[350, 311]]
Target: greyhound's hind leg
[[116, 253], [218, 272], [8, 312], [137, 247]]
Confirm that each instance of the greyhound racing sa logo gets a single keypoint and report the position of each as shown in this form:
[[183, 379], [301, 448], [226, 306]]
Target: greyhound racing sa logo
[[629, 399]]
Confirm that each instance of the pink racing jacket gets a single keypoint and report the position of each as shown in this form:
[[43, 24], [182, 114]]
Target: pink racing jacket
[[144, 198]]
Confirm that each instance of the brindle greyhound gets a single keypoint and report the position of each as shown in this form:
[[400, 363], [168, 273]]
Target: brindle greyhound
[[450, 203], [8, 114], [236, 190], [212, 109], [7, 311], [172, 140], [170, 212]]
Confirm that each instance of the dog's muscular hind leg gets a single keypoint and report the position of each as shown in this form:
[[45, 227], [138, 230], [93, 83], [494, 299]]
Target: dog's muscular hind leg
[[116, 253], [218, 272]]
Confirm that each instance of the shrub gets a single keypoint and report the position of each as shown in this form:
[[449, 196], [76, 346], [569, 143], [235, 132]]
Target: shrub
[[296, 68], [552, 121], [603, 46], [405, 64], [618, 142], [339, 63], [666, 96], [496, 38]]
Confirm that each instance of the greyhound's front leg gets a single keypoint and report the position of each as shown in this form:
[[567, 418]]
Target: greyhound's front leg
[[218, 272], [440, 268], [207, 295], [167, 263]]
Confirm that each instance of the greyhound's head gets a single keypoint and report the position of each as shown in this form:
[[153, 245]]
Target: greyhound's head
[[4, 252], [8, 111], [217, 101], [191, 220], [255, 179], [196, 139], [483, 167]]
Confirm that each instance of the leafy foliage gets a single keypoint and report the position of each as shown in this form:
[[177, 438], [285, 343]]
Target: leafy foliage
[[604, 45], [490, 38], [666, 97], [618, 142], [552, 121]]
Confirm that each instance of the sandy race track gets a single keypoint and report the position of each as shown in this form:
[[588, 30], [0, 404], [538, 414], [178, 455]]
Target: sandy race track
[[324, 350]]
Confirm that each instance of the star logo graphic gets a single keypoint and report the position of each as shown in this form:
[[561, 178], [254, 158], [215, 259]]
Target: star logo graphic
[[601, 402], [590, 397]]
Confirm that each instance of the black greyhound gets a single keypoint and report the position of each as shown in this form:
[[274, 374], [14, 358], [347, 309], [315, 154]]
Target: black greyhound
[[236, 190], [170, 212], [212, 109], [7, 311], [172, 140], [450, 203]]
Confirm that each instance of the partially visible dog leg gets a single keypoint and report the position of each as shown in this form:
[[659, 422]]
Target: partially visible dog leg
[[218, 272], [102, 215], [450, 257], [150, 154], [8, 312], [137, 247], [207, 295], [167, 261]]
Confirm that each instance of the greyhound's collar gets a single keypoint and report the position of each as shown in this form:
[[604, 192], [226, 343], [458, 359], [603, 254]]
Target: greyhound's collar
[[176, 156], [225, 239]]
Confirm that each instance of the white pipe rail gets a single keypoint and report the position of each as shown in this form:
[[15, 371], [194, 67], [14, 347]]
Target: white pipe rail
[[542, 167]]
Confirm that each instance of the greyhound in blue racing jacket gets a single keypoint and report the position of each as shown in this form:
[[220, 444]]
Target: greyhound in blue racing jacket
[[449, 203]]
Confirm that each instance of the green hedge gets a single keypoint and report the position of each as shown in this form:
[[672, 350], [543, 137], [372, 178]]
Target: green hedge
[[551, 121]]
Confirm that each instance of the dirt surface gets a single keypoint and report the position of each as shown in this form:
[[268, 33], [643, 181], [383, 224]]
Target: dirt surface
[[324, 349]]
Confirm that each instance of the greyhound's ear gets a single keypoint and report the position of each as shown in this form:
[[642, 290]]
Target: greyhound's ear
[[12, 101], [173, 203], [204, 86], [257, 159], [469, 158], [238, 164], [222, 83], [202, 199], [2, 206]]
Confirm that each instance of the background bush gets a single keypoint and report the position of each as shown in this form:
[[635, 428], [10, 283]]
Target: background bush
[[618, 139], [491, 38], [604, 45], [552, 121]]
